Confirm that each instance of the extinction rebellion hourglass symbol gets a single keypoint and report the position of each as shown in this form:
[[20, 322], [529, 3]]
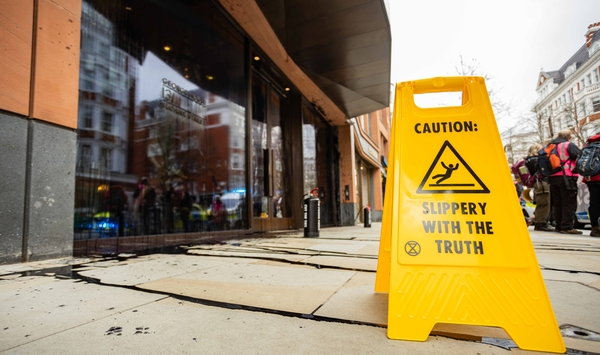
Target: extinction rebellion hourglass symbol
[[412, 248]]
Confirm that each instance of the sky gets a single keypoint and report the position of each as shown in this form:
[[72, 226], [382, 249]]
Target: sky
[[510, 40], [152, 72]]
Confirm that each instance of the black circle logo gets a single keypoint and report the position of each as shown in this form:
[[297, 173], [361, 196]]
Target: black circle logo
[[412, 248]]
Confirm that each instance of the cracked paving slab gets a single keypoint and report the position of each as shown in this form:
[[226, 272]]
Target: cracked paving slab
[[171, 326], [281, 288], [33, 308]]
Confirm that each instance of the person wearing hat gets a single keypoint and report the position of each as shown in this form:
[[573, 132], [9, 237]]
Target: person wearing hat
[[542, 194]]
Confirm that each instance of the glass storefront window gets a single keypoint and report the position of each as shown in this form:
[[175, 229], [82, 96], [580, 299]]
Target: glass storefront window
[[271, 192], [162, 121], [318, 163]]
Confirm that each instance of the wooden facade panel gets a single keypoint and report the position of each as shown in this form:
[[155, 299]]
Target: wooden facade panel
[[16, 22], [56, 71], [72, 6]]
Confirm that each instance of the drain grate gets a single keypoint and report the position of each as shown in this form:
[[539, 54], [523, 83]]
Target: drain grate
[[579, 333], [502, 343]]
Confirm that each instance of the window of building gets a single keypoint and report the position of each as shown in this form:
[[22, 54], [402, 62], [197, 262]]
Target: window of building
[[106, 155], [84, 158], [237, 161], [568, 121], [593, 48], [596, 105], [88, 117], [581, 110], [596, 75], [152, 172], [88, 85], [318, 137], [570, 70], [589, 79], [105, 50], [106, 123]]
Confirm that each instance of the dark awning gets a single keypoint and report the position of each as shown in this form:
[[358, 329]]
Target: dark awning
[[383, 161], [344, 46]]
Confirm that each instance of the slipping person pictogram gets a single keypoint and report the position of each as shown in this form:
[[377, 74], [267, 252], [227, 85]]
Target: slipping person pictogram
[[447, 174]]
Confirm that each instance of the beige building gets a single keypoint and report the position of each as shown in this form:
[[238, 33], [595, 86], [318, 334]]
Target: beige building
[[568, 98]]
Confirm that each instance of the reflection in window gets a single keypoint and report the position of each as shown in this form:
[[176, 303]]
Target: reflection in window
[[84, 157], [318, 141], [259, 145], [88, 118], [237, 162], [310, 157], [106, 124], [89, 85], [106, 155], [160, 139]]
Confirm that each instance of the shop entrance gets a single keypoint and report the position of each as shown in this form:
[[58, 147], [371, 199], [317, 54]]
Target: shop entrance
[[271, 193]]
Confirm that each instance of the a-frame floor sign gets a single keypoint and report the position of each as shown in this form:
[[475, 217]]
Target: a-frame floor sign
[[454, 247]]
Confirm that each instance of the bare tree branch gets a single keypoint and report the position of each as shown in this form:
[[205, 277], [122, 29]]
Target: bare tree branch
[[472, 67]]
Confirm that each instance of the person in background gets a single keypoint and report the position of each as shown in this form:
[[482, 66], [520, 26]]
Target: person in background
[[116, 201], [185, 207], [168, 199], [218, 212], [542, 191], [564, 188], [147, 195], [592, 182], [519, 189]]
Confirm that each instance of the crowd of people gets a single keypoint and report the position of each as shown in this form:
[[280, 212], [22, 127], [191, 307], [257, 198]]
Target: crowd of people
[[168, 209], [555, 194]]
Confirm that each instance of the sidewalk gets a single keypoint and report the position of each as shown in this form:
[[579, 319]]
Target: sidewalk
[[285, 295]]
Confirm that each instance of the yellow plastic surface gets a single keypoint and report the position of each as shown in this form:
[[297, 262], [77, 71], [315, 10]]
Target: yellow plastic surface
[[454, 246], [383, 269]]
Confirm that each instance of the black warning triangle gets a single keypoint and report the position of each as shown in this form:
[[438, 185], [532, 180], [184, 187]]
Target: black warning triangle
[[450, 174]]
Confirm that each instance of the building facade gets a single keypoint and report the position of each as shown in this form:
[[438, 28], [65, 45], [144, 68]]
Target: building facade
[[135, 125], [364, 160], [568, 98]]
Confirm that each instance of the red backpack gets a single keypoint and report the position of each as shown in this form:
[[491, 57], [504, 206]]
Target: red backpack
[[521, 172]]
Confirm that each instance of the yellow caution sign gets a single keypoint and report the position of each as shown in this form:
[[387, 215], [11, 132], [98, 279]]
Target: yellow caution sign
[[454, 247], [383, 269]]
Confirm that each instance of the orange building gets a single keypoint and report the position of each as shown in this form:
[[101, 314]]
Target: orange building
[[233, 110]]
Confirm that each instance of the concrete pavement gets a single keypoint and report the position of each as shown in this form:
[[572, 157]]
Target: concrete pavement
[[284, 295]]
